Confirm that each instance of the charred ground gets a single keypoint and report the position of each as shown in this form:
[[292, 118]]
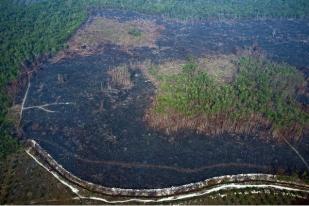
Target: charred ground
[[103, 137]]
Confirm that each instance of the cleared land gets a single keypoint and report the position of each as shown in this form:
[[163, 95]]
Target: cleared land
[[100, 31]]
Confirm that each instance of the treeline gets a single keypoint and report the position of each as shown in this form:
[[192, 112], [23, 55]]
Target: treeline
[[28, 31], [260, 89], [192, 9], [218, 9]]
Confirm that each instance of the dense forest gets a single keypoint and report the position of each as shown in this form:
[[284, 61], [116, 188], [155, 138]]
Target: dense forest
[[32, 28], [188, 9], [27, 32]]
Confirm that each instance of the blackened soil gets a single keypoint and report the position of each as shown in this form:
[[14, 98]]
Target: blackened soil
[[102, 138]]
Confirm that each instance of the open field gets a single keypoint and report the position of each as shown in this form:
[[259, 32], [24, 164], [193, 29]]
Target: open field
[[220, 67], [99, 31]]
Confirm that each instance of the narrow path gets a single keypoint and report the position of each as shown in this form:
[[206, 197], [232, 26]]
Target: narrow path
[[165, 167], [200, 193], [25, 98], [42, 107], [157, 166], [297, 153]]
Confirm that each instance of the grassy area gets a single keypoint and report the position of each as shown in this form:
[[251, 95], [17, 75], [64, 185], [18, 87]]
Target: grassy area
[[135, 32], [219, 67], [127, 34], [121, 77], [261, 94]]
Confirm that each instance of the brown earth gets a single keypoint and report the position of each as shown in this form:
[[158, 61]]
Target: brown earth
[[98, 31]]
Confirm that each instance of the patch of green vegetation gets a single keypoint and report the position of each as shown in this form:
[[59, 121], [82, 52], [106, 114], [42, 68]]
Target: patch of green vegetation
[[295, 177], [7, 145], [269, 88], [153, 71], [135, 32], [260, 87]]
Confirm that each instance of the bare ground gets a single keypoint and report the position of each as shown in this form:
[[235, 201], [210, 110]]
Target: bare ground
[[98, 31]]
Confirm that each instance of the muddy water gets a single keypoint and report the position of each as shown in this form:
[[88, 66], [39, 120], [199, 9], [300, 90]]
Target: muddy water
[[101, 136]]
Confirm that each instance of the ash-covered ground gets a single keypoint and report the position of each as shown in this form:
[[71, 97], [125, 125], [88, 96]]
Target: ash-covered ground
[[99, 134]]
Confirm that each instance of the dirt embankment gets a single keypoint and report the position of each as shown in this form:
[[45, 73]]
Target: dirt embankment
[[37, 152]]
